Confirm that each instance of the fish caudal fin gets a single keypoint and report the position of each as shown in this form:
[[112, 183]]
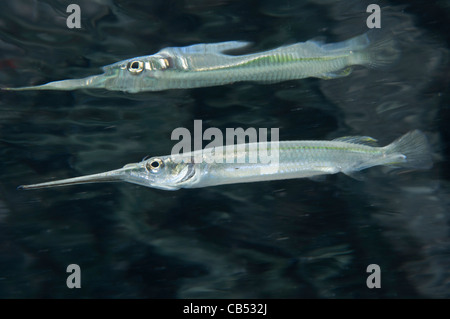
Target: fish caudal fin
[[375, 49], [412, 150]]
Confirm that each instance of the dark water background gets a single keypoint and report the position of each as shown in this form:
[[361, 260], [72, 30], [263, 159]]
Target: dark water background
[[283, 239]]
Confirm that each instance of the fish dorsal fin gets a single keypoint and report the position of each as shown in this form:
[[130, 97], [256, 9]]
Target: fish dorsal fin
[[217, 48], [363, 140], [319, 41]]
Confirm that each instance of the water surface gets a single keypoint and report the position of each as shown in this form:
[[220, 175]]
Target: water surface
[[283, 239]]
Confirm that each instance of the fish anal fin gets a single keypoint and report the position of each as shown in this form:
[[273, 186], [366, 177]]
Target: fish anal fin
[[318, 178], [336, 74], [268, 81], [359, 176], [363, 140]]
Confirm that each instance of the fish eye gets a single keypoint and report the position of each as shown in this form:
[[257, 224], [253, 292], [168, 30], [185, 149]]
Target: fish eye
[[135, 67], [154, 165]]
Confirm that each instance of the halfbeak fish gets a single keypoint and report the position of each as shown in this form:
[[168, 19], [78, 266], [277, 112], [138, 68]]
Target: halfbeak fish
[[203, 65], [256, 162]]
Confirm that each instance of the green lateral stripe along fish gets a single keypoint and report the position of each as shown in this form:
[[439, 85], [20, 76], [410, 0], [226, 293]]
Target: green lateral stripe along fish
[[244, 163], [203, 65]]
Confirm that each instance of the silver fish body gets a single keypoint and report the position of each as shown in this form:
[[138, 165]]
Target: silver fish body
[[204, 65], [258, 162]]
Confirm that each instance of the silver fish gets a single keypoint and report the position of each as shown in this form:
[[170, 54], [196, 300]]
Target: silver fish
[[296, 159], [204, 65]]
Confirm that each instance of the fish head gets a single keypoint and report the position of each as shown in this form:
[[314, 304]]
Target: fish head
[[165, 172], [168, 173], [157, 172], [137, 74], [133, 75]]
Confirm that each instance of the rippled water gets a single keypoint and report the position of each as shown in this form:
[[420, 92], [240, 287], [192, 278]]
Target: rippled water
[[283, 239]]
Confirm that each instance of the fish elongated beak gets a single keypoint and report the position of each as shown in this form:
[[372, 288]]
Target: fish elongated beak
[[110, 176], [95, 81]]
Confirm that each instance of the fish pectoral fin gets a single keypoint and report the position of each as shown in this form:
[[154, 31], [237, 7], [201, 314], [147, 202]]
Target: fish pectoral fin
[[216, 48], [363, 140], [334, 75]]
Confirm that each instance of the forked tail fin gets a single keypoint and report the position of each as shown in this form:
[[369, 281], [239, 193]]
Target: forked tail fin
[[375, 49], [412, 150]]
